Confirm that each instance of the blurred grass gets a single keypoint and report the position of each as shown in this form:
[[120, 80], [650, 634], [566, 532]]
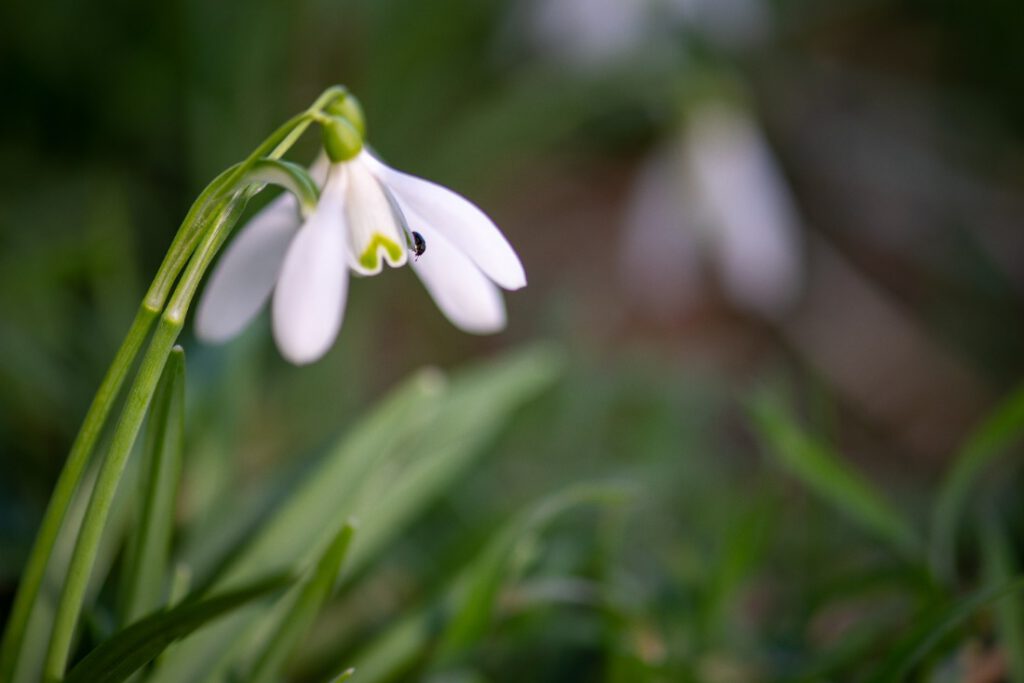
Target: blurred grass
[[720, 568]]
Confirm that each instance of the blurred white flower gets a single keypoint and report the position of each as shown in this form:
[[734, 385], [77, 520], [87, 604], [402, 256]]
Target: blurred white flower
[[590, 33], [720, 195], [368, 214], [730, 23]]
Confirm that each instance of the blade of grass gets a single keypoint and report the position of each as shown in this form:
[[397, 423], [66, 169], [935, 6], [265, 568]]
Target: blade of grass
[[829, 477], [25, 602], [932, 627], [990, 440], [312, 595], [999, 568], [162, 454], [389, 654], [477, 590], [392, 464], [467, 603], [134, 647]]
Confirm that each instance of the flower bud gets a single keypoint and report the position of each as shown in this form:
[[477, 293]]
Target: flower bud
[[341, 140], [348, 108]]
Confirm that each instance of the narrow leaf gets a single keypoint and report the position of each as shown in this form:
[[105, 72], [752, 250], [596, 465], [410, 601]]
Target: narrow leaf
[[150, 545], [388, 468], [999, 568], [829, 476], [936, 625], [477, 589], [990, 440], [312, 595], [134, 647]]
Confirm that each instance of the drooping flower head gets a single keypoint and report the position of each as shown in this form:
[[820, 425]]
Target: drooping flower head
[[367, 214]]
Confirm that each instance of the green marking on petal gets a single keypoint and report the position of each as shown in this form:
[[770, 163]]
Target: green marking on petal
[[370, 258]]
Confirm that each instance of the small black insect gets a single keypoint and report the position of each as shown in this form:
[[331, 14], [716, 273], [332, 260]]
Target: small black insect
[[419, 245]]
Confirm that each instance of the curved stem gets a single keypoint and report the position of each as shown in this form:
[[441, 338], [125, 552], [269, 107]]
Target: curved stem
[[87, 544], [78, 458], [195, 225]]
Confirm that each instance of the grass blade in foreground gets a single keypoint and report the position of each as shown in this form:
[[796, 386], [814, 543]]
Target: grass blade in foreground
[[150, 546], [821, 470], [933, 627], [314, 593], [388, 468], [134, 647], [477, 590], [1004, 426], [999, 568], [471, 596]]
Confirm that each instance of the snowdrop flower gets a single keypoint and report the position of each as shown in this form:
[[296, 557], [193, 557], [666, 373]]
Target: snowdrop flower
[[590, 34], [368, 214], [719, 196]]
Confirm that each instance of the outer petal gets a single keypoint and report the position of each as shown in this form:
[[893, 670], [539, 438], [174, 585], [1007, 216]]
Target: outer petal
[[464, 294], [755, 221], [458, 219], [309, 301], [245, 275]]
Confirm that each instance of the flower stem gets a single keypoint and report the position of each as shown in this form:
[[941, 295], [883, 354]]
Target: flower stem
[[90, 533], [70, 476], [87, 543], [195, 233]]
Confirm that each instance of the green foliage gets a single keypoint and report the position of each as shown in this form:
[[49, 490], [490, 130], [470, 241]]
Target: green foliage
[[149, 547], [1000, 567], [991, 439], [313, 593], [931, 627], [134, 647], [830, 477], [393, 463]]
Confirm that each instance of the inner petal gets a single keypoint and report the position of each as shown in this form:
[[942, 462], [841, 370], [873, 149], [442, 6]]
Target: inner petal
[[377, 231]]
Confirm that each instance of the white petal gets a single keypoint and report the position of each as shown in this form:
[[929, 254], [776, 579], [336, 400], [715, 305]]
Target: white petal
[[458, 219], [756, 226], [309, 301], [245, 275], [464, 294]]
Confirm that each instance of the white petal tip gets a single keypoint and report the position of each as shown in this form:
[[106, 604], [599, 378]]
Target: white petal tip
[[301, 356], [516, 282]]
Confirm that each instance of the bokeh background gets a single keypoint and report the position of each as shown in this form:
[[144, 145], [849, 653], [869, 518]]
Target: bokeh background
[[734, 215]]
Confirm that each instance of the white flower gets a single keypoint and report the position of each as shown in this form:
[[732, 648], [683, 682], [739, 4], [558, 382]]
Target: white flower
[[367, 215], [720, 196], [593, 33]]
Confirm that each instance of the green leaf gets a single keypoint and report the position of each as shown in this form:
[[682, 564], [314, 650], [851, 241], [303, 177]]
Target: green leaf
[[343, 676], [477, 589], [150, 545], [469, 600], [999, 568], [935, 625], [394, 650], [990, 440], [388, 468], [312, 595], [829, 476], [132, 648]]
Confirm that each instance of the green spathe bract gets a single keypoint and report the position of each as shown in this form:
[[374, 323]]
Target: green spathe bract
[[342, 141]]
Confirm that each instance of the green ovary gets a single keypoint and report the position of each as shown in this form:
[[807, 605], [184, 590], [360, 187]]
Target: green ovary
[[370, 259]]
